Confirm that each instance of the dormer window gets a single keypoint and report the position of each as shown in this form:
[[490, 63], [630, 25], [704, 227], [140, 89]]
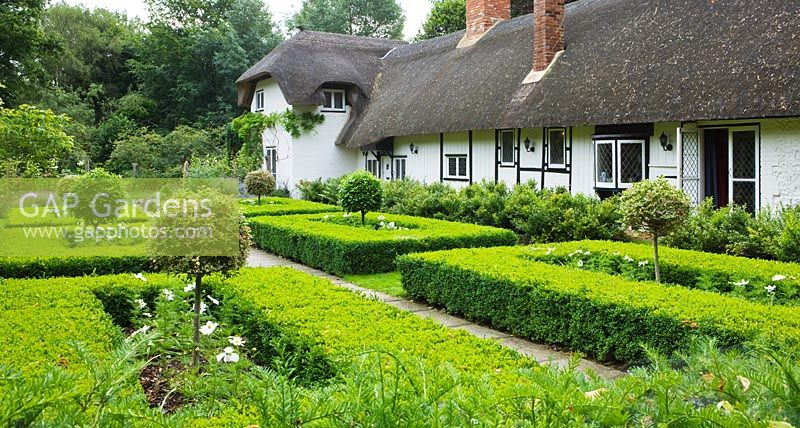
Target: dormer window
[[334, 101], [259, 100]]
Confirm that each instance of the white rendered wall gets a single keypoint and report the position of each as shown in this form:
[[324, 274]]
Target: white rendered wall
[[780, 162], [274, 102]]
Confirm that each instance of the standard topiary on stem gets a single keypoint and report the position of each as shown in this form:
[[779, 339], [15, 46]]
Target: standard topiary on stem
[[657, 208], [259, 183], [361, 192]]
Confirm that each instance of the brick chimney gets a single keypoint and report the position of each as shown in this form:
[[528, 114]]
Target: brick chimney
[[482, 15], [548, 35]]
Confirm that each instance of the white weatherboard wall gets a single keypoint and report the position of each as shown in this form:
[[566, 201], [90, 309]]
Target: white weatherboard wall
[[424, 165], [780, 162]]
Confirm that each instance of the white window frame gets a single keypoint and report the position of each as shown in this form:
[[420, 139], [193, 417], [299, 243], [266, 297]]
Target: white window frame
[[259, 100], [757, 172], [397, 169], [332, 108], [550, 148], [271, 160], [461, 174], [616, 149], [500, 135], [599, 184], [618, 169]]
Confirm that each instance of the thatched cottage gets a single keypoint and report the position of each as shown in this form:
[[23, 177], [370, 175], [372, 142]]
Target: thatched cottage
[[593, 96]]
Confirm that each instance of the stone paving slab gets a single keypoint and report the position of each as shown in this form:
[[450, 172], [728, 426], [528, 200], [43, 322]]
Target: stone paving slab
[[540, 353]]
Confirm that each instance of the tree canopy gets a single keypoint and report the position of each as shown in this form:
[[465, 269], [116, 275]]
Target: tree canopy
[[369, 18]]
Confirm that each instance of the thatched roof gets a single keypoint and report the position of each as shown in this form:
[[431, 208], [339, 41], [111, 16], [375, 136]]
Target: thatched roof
[[626, 61], [310, 59]]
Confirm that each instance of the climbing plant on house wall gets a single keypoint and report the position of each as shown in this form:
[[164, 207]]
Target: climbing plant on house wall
[[251, 126]]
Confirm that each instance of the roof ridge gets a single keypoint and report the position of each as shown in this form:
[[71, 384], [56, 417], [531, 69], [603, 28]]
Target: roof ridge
[[330, 38]]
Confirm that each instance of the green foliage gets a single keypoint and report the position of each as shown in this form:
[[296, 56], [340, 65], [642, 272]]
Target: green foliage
[[210, 167], [368, 18], [326, 192], [319, 241], [733, 230], [259, 183], [446, 16], [23, 42], [136, 155], [737, 276], [88, 188], [655, 207], [30, 267], [274, 206], [605, 316], [484, 203], [31, 141], [161, 156], [360, 192]]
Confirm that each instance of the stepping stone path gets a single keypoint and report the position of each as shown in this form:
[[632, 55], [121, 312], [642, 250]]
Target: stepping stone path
[[540, 353]]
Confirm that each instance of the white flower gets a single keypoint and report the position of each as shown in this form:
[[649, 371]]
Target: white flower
[[227, 355], [208, 328], [777, 278], [236, 341], [189, 288], [141, 303], [142, 330], [327, 217], [627, 258], [147, 314], [643, 263], [213, 300], [550, 250], [382, 224], [381, 218], [770, 289], [741, 283], [169, 295], [140, 276], [725, 405], [347, 215], [203, 307], [81, 163], [580, 264], [391, 225]]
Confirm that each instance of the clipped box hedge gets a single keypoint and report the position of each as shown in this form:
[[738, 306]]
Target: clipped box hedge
[[345, 323], [52, 267], [283, 206], [739, 276], [39, 319], [605, 316], [323, 242]]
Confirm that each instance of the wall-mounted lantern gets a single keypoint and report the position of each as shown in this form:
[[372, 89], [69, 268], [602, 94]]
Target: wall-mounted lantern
[[414, 149], [665, 142], [529, 146]]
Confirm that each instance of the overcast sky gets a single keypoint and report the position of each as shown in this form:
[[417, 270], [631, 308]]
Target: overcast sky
[[416, 10]]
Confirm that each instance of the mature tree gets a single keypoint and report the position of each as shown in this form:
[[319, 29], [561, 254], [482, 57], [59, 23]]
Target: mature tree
[[369, 18], [22, 43], [449, 16], [194, 50], [657, 208], [446, 16], [32, 141]]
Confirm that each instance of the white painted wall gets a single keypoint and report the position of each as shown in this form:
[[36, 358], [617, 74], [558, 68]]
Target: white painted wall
[[423, 166], [274, 102], [780, 162]]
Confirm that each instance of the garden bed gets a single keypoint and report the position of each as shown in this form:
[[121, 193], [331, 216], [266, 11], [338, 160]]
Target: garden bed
[[271, 206], [606, 316], [759, 280], [340, 244]]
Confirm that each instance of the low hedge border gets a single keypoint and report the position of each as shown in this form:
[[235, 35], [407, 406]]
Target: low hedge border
[[738, 276], [52, 267], [283, 206], [38, 319], [344, 324], [605, 316], [343, 249]]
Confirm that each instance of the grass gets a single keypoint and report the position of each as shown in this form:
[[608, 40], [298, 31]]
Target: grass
[[389, 283]]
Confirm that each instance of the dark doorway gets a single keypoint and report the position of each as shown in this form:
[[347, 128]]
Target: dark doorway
[[715, 143]]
